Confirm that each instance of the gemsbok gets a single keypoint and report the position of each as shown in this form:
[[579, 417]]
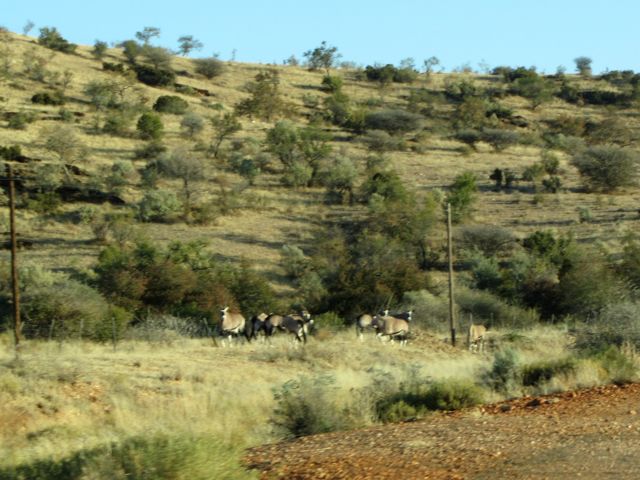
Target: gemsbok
[[475, 338], [392, 328], [363, 322], [296, 324], [232, 324], [259, 324]]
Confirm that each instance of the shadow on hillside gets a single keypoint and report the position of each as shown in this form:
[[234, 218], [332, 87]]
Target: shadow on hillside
[[249, 240]]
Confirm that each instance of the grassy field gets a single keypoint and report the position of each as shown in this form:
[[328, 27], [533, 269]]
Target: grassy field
[[59, 399]]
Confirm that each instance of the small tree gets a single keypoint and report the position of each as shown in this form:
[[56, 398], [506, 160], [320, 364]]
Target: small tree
[[187, 44], [150, 126], [461, 196], [131, 50], [607, 168], [28, 27], [158, 57], [583, 66], [192, 124], [223, 126], [99, 49], [184, 165], [64, 142], [429, 63], [322, 57], [147, 34], [265, 101], [51, 38]]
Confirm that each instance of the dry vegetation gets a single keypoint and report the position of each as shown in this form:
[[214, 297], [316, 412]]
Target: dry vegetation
[[61, 398], [67, 396], [284, 215]]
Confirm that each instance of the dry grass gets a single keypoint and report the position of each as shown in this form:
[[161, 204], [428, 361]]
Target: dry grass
[[60, 398]]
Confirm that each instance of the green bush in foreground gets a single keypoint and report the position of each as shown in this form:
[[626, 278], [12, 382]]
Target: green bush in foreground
[[141, 458]]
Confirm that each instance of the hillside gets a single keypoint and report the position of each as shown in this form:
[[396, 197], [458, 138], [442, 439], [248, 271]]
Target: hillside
[[268, 215]]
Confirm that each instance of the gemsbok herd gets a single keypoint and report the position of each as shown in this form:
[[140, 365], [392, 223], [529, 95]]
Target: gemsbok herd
[[386, 326]]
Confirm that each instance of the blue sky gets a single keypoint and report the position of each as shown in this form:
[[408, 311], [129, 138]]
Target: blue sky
[[541, 33]]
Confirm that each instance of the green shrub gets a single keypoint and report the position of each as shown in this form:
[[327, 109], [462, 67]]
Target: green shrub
[[118, 122], [381, 141], [13, 152], [499, 138], [309, 405], [619, 367], [159, 206], [142, 458], [51, 38], [155, 77], [537, 373], [150, 126], [492, 310], [332, 83], [607, 168], [416, 397], [46, 98], [150, 151], [393, 121], [505, 375], [20, 120], [68, 309], [209, 67], [171, 104]]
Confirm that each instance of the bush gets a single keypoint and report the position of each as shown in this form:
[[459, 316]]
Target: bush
[[20, 120], [607, 168], [617, 325], [493, 311], [14, 152], [393, 121], [141, 458], [171, 104], [332, 83], [491, 240], [415, 397], [209, 67], [159, 206], [500, 139], [535, 374], [309, 405], [381, 141], [505, 375], [69, 309], [51, 38], [155, 77], [150, 126], [46, 98], [620, 367]]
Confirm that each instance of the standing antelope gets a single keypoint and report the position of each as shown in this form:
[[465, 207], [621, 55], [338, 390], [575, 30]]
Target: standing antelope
[[232, 324], [363, 322], [475, 337], [391, 327]]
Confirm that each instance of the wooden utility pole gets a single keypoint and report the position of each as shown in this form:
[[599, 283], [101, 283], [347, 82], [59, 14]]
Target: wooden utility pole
[[17, 327], [452, 320]]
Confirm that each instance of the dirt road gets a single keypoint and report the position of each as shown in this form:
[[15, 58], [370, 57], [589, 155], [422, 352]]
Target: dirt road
[[586, 434]]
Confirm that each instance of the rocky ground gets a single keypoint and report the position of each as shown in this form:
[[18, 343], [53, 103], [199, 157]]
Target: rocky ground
[[585, 434]]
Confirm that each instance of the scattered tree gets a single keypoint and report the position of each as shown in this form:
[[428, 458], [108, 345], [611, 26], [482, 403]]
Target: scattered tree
[[583, 66], [187, 44], [224, 126], [265, 101], [322, 57], [28, 27], [51, 38], [99, 49], [147, 34]]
